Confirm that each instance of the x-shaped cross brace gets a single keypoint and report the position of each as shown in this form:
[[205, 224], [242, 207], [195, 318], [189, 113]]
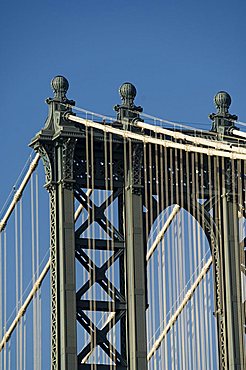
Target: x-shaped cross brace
[[96, 213], [99, 337], [98, 275]]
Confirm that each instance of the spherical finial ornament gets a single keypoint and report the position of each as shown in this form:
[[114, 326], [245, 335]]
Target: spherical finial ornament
[[127, 92], [60, 86], [222, 101]]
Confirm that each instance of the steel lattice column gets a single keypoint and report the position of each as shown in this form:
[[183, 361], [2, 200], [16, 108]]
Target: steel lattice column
[[229, 308], [56, 143]]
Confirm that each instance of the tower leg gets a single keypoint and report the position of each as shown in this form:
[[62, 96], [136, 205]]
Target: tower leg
[[135, 266]]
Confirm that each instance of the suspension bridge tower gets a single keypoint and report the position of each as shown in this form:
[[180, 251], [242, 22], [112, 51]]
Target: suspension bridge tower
[[140, 174]]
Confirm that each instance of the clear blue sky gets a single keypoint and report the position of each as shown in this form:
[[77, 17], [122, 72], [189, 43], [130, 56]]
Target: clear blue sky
[[178, 53]]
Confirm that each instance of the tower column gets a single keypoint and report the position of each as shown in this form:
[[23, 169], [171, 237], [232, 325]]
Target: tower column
[[135, 251], [229, 315], [56, 144], [135, 266]]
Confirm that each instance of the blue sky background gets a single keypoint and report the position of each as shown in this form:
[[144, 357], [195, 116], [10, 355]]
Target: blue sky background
[[178, 54]]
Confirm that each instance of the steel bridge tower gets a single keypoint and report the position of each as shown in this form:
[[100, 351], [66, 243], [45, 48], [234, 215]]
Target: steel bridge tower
[[62, 144]]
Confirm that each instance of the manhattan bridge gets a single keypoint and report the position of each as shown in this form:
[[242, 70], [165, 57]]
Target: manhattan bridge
[[122, 243]]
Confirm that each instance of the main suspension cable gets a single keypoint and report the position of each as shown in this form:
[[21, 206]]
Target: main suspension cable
[[239, 154]]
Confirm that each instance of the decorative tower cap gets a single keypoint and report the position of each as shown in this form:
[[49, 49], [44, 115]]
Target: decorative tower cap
[[222, 120], [222, 102], [60, 87], [127, 91], [127, 110]]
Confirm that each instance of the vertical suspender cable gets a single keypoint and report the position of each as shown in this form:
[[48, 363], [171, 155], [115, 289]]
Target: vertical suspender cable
[[101, 359], [243, 191], [240, 191], [90, 296], [218, 163], [203, 286], [152, 276], [125, 162], [209, 303], [159, 254], [164, 205], [5, 293], [195, 257], [157, 229], [188, 259], [183, 205], [38, 299], [111, 219], [1, 297], [21, 283], [183, 349], [193, 261], [84, 277], [25, 351], [213, 195], [110, 317], [171, 279], [93, 254], [176, 256], [180, 266], [160, 199], [107, 188], [146, 220], [177, 259], [17, 284], [166, 252], [33, 276], [9, 355], [197, 252]]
